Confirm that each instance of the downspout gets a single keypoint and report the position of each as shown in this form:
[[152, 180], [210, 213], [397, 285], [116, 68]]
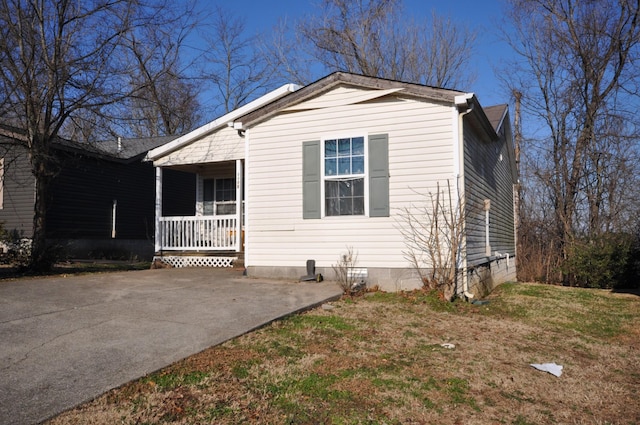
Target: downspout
[[463, 107], [239, 212], [247, 201]]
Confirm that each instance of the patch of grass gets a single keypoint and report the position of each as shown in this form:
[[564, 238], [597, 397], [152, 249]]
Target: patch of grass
[[388, 383], [382, 297], [283, 349], [319, 386], [520, 420], [240, 371], [517, 395], [430, 384], [590, 312], [169, 380], [320, 322], [218, 411], [458, 390]]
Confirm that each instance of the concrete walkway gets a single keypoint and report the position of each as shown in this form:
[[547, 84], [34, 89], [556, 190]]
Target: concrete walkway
[[64, 341]]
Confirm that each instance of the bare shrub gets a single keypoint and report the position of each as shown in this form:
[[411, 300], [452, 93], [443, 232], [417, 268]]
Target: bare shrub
[[344, 270], [433, 234]]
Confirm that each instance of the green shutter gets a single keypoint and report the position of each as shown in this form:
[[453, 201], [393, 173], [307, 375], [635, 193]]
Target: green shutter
[[311, 179], [379, 175]]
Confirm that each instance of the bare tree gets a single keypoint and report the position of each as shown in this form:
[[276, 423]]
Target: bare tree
[[373, 37], [578, 77], [59, 60], [164, 96], [283, 53], [235, 65], [161, 87]]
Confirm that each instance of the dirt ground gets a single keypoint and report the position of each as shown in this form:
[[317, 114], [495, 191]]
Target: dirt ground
[[380, 359]]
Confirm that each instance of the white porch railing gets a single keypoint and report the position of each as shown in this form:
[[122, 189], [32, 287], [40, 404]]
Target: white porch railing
[[199, 233]]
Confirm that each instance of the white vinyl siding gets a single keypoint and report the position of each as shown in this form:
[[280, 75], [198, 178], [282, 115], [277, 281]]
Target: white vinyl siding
[[223, 145], [420, 154]]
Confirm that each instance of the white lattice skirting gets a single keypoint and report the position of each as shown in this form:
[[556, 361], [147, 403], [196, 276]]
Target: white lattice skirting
[[188, 261]]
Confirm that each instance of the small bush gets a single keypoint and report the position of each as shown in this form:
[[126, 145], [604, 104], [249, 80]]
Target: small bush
[[16, 248], [610, 261]]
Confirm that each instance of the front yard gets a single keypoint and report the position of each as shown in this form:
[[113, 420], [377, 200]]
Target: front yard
[[383, 359]]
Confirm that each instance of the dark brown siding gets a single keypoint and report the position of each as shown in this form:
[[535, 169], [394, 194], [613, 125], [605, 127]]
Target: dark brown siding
[[18, 189], [85, 190]]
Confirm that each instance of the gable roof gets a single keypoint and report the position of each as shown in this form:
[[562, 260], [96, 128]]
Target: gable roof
[[222, 121], [496, 115], [379, 86]]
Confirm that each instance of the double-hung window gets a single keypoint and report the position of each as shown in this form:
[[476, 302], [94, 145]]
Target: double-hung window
[[219, 196], [344, 174]]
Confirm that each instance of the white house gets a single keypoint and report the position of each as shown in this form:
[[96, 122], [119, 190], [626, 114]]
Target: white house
[[308, 173]]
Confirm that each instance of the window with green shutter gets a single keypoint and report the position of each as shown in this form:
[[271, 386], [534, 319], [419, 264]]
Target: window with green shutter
[[339, 168]]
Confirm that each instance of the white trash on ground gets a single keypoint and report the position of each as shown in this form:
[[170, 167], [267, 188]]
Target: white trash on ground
[[552, 368]]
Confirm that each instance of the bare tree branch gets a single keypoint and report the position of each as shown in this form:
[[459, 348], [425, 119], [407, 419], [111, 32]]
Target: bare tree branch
[[373, 37], [577, 64]]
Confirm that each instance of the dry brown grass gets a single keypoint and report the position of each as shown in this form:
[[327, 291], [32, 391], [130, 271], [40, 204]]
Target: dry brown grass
[[379, 360]]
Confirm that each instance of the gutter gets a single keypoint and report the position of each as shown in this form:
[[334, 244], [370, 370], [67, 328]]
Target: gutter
[[464, 105]]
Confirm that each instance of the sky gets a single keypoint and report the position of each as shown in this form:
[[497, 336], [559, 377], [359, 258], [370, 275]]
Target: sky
[[483, 15]]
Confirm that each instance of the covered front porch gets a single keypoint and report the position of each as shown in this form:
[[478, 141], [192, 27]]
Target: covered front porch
[[210, 231]]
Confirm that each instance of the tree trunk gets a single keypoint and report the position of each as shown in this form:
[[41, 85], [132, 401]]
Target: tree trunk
[[44, 168], [41, 259]]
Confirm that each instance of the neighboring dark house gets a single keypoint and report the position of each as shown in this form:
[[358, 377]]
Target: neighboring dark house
[[102, 199]]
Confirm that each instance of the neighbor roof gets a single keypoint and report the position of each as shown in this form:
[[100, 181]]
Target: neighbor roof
[[496, 114], [114, 149], [129, 148]]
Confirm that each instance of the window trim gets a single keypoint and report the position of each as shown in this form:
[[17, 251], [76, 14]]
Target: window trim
[[377, 150], [364, 176]]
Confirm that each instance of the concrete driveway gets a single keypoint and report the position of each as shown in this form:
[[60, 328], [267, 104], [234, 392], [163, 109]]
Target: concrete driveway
[[66, 340]]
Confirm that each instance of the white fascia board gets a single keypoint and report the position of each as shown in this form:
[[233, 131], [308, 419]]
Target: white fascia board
[[463, 99], [226, 119]]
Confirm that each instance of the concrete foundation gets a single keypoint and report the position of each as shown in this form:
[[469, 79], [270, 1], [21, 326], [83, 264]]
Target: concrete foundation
[[389, 280], [482, 278], [485, 277]]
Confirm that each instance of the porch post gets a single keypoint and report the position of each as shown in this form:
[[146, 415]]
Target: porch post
[[239, 212], [158, 229]]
